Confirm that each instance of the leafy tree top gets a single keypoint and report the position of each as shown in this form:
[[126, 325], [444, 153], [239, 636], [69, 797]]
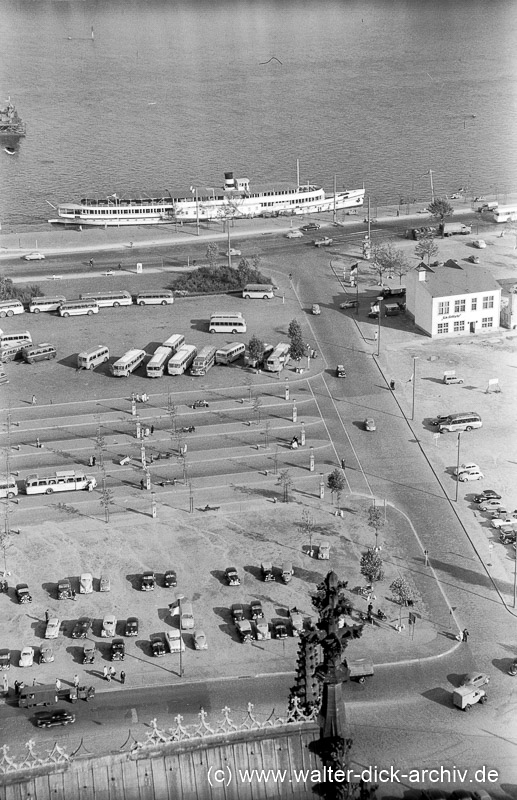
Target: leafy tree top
[[440, 209]]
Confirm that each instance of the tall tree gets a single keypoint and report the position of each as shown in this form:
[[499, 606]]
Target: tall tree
[[388, 260], [256, 349], [297, 348], [440, 209], [212, 254], [426, 248], [336, 483]]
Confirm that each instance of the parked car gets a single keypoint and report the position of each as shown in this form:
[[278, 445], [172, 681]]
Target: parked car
[[232, 577], [82, 628], [490, 504], [323, 241], [479, 243], [349, 304], [200, 642], [316, 309], [501, 521], [450, 377], [104, 584], [148, 581], [170, 579], [109, 625], [244, 629], [470, 476], [200, 404], [262, 631], [439, 419], [296, 618], [513, 668], [46, 654], [118, 650], [51, 719], [507, 536], [324, 551], [187, 615], [22, 593], [64, 589], [465, 697], [486, 494], [287, 571], [468, 467], [86, 583], [27, 657], [88, 652], [294, 233], [256, 609], [5, 658], [311, 226], [34, 257], [279, 630], [157, 645], [475, 679], [131, 627], [232, 252], [266, 568], [175, 641], [52, 629], [474, 259], [369, 424], [340, 371], [237, 612]]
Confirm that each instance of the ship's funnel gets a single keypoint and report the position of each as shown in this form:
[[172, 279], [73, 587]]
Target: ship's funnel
[[229, 180]]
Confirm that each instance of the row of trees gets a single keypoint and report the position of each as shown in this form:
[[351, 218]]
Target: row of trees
[[10, 291]]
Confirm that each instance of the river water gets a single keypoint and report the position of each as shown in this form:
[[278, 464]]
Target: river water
[[172, 93]]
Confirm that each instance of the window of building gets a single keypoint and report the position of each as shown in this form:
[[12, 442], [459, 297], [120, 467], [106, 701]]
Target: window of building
[[443, 327], [459, 305], [443, 307], [487, 322], [488, 301], [459, 326], [474, 304]]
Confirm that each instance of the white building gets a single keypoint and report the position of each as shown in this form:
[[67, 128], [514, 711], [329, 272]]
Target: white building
[[453, 299]]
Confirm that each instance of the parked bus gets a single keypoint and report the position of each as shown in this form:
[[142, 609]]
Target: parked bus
[[89, 359], [155, 297], [106, 299], [181, 361], [229, 353], [227, 324], [204, 360], [12, 351], [226, 314], [38, 304], [73, 308], [259, 291], [156, 365], [64, 481], [38, 352], [174, 342], [128, 363], [258, 362], [8, 339], [8, 486], [10, 307], [505, 214], [277, 359]]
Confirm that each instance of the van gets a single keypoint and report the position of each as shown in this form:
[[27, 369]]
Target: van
[[460, 422], [38, 696], [10, 307], [391, 309], [90, 359], [39, 352]]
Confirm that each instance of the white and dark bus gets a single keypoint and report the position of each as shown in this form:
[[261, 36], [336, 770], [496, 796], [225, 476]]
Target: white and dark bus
[[227, 323], [174, 342], [9, 308], [204, 360], [276, 361], [258, 291], [182, 360], [89, 359], [128, 363], [156, 365], [229, 353], [38, 304], [65, 481], [8, 339], [107, 299], [505, 214], [74, 308], [158, 297]]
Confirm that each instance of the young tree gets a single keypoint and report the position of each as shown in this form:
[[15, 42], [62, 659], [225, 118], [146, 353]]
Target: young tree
[[107, 499], [336, 483], [402, 591], [294, 330], [426, 248], [440, 209], [371, 566], [212, 254], [297, 348], [286, 481], [257, 408], [388, 260], [375, 521], [256, 349]]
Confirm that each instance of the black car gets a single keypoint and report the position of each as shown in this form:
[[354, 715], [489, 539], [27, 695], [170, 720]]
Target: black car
[[200, 404], [81, 628], [486, 494], [157, 645], [232, 576], [170, 579], [118, 650], [256, 609], [279, 630], [22, 593], [51, 719], [148, 581], [131, 627], [311, 226]]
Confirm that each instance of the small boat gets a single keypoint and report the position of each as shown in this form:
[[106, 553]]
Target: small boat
[[10, 150]]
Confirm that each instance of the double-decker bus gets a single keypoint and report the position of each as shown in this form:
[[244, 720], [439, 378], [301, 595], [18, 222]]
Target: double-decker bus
[[106, 299], [64, 481], [174, 342], [204, 360], [156, 365], [181, 361], [128, 363], [275, 362]]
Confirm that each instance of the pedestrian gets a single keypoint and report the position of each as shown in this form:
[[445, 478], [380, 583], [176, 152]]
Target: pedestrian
[[74, 594], [112, 672], [90, 461], [94, 460], [376, 336], [392, 386], [122, 677], [76, 680], [119, 266], [131, 244], [290, 276], [58, 684], [47, 615], [38, 443], [91, 262], [152, 429], [16, 688], [34, 681], [5, 680], [33, 399], [465, 635], [106, 674], [142, 484]]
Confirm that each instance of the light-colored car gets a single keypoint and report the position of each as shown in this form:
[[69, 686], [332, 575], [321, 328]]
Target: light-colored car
[[52, 629], [175, 641], [109, 624], [233, 252], [324, 550], [470, 476], [262, 631], [86, 583], [200, 642], [491, 504], [369, 424], [46, 654], [34, 257], [294, 233], [187, 616], [349, 304], [323, 241], [316, 309], [475, 679], [469, 467], [27, 657], [479, 243], [500, 522]]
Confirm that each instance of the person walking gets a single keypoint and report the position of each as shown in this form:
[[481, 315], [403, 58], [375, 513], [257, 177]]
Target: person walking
[[58, 685], [142, 484], [465, 635], [105, 674], [5, 681], [47, 615], [33, 402], [76, 680], [122, 677], [112, 672], [152, 429]]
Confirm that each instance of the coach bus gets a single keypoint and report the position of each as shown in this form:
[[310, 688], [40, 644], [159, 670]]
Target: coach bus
[[38, 304], [275, 362], [156, 365], [8, 486], [505, 214], [204, 360], [106, 299], [227, 323], [174, 342], [158, 297], [128, 363], [258, 291], [229, 353], [182, 360], [73, 308], [8, 339], [64, 481], [10, 307]]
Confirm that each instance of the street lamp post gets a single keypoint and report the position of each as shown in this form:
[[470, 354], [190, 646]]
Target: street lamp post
[[180, 598], [415, 358], [379, 300], [458, 466]]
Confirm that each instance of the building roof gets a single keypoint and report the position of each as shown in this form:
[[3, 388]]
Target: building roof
[[452, 279]]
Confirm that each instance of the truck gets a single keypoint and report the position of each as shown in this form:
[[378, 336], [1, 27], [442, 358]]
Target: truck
[[453, 228], [38, 696], [465, 697]]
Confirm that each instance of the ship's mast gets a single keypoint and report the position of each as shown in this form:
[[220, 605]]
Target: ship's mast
[[297, 173]]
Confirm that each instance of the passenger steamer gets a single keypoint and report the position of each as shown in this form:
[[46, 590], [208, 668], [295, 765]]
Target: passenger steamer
[[236, 200]]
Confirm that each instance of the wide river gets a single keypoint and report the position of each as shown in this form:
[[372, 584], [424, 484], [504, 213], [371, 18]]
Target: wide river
[[172, 93]]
